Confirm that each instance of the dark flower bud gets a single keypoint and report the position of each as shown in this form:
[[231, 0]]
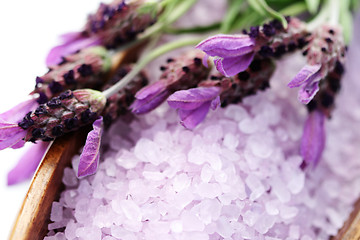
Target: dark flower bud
[[118, 22], [246, 83], [60, 115], [80, 70], [119, 103]]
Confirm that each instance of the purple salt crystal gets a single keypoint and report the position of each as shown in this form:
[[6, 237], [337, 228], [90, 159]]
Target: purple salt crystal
[[194, 103], [89, 158], [313, 138], [56, 212], [69, 178]]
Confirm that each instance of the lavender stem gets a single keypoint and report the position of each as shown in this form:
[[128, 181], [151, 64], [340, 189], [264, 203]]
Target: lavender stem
[[144, 61]]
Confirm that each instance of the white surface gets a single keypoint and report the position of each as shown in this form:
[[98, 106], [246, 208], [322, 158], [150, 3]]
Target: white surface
[[28, 30]]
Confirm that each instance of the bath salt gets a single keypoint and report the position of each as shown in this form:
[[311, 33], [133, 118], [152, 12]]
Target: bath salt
[[236, 176]]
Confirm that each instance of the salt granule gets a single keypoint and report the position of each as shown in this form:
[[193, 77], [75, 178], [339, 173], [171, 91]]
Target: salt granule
[[56, 212], [236, 176], [69, 178]]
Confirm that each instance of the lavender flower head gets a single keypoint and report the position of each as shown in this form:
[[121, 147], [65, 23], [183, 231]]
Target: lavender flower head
[[325, 54], [83, 69], [193, 104], [234, 53], [111, 26], [178, 73]]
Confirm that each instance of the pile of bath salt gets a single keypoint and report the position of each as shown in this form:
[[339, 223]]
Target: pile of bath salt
[[236, 176]]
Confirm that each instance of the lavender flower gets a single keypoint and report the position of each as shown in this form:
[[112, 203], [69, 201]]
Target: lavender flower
[[246, 83], [89, 158], [193, 104], [71, 43], [180, 73], [325, 54], [83, 69], [111, 26], [234, 53], [62, 114], [11, 135], [313, 139]]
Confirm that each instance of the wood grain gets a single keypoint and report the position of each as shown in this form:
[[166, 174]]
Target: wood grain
[[351, 228]]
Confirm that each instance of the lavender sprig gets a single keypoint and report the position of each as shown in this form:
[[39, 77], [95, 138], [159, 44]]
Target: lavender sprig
[[179, 73], [193, 104], [234, 53], [63, 114], [83, 69]]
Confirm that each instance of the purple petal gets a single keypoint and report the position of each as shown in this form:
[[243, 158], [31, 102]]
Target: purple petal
[[308, 73], [215, 103], [308, 92], [19, 144], [191, 118], [193, 98], [313, 139], [14, 139], [70, 37], [227, 45], [151, 90], [141, 106], [89, 158], [55, 54], [16, 113], [205, 60], [27, 164], [7, 130], [232, 66]]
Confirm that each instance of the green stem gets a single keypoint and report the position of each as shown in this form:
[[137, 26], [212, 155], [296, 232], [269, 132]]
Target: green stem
[[180, 10], [158, 27], [334, 11], [319, 19], [199, 29], [264, 9], [148, 58], [294, 9]]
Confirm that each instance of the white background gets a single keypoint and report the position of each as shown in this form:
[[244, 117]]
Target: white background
[[28, 29]]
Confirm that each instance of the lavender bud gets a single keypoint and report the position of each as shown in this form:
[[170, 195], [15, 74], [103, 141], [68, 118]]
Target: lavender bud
[[80, 70], [118, 22], [119, 103], [60, 115], [272, 39], [179, 73], [233, 89]]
